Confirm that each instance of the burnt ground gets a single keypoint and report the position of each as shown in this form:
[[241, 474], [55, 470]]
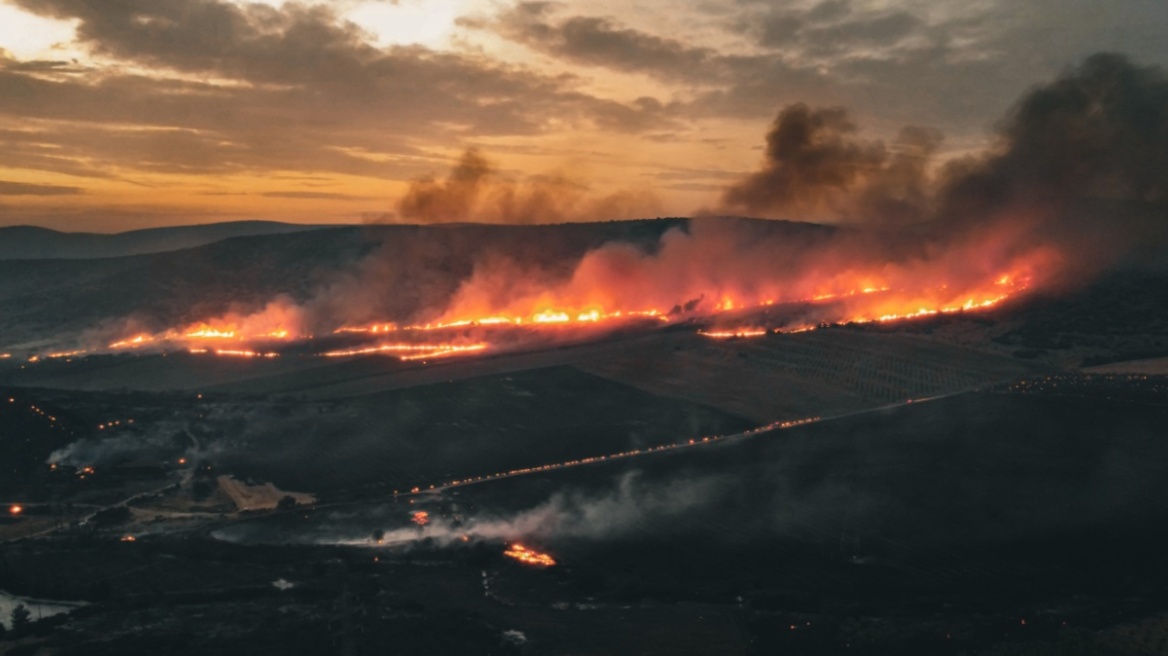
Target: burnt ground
[[1027, 518]]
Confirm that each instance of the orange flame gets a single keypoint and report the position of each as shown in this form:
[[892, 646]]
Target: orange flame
[[211, 333], [610, 292], [528, 556], [730, 334], [408, 352], [233, 353]]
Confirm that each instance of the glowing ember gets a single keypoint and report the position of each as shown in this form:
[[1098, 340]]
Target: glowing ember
[[59, 355], [730, 334], [16, 509], [421, 518], [233, 353], [211, 333], [129, 538], [133, 342], [410, 351], [529, 556], [551, 316], [541, 318]]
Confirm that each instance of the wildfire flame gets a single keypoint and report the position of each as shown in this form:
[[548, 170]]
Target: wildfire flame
[[410, 351], [597, 300], [528, 556], [421, 518], [730, 334], [211, 333], [234, 353]]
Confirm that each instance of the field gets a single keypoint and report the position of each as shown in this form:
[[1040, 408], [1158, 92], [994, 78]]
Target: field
[[933, 491], [1012, 517], [806, 374]]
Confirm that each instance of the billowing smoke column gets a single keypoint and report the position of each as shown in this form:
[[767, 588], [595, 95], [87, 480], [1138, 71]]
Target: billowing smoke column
[[1076, 183], [1084, 160], [475, 189], [815, 169]]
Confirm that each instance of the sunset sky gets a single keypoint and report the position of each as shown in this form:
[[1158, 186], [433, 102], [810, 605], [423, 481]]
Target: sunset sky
[[126, 114]]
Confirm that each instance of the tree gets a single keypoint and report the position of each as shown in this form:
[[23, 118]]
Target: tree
[[21, 619], [378, 535], [286, 503]]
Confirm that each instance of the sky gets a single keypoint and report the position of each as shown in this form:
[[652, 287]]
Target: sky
[[133, 114]]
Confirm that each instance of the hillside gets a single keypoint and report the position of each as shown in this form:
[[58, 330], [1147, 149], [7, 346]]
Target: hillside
[[34, 243], [414, 267]]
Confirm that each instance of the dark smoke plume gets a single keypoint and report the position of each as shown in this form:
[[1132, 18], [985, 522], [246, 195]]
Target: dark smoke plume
[[816, 168], [431, 201], [1081, 163], [475, 191], [1100, 131]]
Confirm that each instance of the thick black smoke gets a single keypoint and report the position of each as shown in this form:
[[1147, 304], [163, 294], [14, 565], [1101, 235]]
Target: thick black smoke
[[816, 168], [1098, 132], [1081, 163]]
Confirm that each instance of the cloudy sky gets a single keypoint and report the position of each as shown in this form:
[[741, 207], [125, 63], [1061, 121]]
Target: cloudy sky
[[125, 114]]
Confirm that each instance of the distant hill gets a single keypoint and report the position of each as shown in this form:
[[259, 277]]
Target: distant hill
[[415, 267], [33, 243]]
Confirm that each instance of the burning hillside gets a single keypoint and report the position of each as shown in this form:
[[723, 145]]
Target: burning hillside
[[724, 277], [957, 238], [613, 289]]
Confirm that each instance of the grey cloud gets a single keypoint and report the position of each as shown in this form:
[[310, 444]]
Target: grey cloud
[[304, 90], [10, 63], [27, 189], [602, 42], [315, 195], [886, 29], [735, 85], [829, 24], [945, 63], [829, 10]]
